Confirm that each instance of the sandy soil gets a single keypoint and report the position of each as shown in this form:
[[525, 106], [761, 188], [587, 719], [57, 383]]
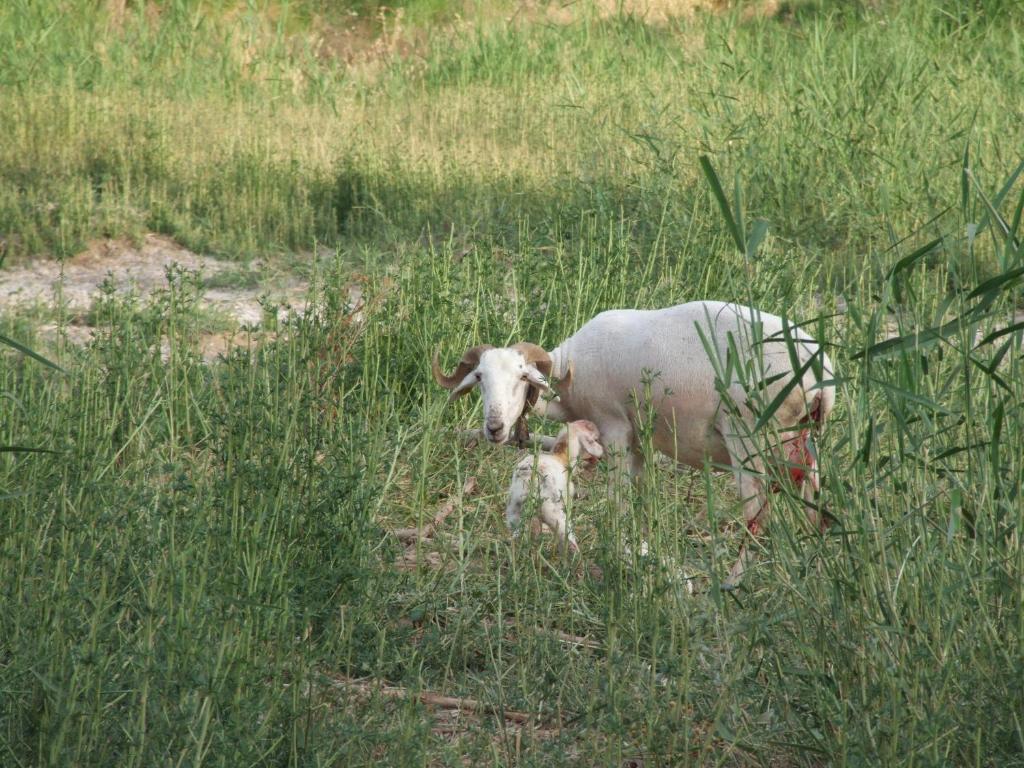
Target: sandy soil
[[142, 269]]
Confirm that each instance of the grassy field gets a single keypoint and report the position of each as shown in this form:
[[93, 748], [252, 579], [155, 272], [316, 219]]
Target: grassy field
[[198, 559]]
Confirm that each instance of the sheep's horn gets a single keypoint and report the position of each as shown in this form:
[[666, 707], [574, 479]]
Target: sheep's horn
[[470, 360], [535, 355], [539, 359]]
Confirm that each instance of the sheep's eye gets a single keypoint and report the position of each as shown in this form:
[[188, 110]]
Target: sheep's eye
[[478, 377], [524, 377]]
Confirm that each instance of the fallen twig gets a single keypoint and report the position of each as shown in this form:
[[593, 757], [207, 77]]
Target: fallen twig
[[565, 637], [410, 536], [435, 700]]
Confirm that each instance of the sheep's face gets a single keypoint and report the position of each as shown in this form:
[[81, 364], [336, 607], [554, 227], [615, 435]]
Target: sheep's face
[[504, 377]]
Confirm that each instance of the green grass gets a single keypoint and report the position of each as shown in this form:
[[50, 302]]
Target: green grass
[[202, 567]]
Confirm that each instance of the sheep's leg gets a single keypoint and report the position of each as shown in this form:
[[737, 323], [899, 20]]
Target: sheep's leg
[[628, 462], [811, 482], [748, 469], [474, 436], [802, 467], [549, 408], [623, 463]]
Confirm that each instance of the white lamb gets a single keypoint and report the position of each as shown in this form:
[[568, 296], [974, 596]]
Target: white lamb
[[550, 475]]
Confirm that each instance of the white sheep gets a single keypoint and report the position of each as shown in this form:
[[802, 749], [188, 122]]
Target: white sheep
[[549, 475], [710, 367]]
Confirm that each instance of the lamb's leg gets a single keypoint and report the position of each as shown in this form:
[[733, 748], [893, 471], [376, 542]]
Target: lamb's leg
[[553, 515], [517, 496]]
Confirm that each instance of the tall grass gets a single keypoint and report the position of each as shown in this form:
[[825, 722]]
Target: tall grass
[[244, 138], [202, 571]]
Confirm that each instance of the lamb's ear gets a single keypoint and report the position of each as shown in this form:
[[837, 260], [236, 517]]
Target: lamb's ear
[[588, 437], [591, 446], [561, 441]]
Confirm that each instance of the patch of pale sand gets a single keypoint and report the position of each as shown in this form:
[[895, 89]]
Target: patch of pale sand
[[75, 334], [140, 269], [77, 280], [657, 11]]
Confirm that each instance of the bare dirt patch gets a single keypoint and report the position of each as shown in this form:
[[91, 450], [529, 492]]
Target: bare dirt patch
[[658, 12], [238, 292]]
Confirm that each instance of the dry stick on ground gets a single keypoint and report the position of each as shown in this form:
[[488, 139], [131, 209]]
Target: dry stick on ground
[[559, 635], [410, 559], [578, 640], [436, 700], [410, 536]]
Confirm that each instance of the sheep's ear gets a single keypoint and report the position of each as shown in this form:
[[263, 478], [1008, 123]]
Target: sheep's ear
[[470, 360], [535, 356], [464, 386], [522, 432], [536, 378], [537, 383]]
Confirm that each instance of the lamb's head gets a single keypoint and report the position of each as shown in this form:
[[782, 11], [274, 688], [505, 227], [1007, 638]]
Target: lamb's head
[[510, 380], [580, 440]]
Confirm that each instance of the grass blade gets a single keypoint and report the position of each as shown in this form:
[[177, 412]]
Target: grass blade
[[998, 200], [908, 261], [992, 210], [723, 204], [911, 341], [757, 233], [1000, 332], [25, 350]]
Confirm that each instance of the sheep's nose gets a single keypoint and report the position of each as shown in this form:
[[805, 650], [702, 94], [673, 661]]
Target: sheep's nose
[[493, 429]]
